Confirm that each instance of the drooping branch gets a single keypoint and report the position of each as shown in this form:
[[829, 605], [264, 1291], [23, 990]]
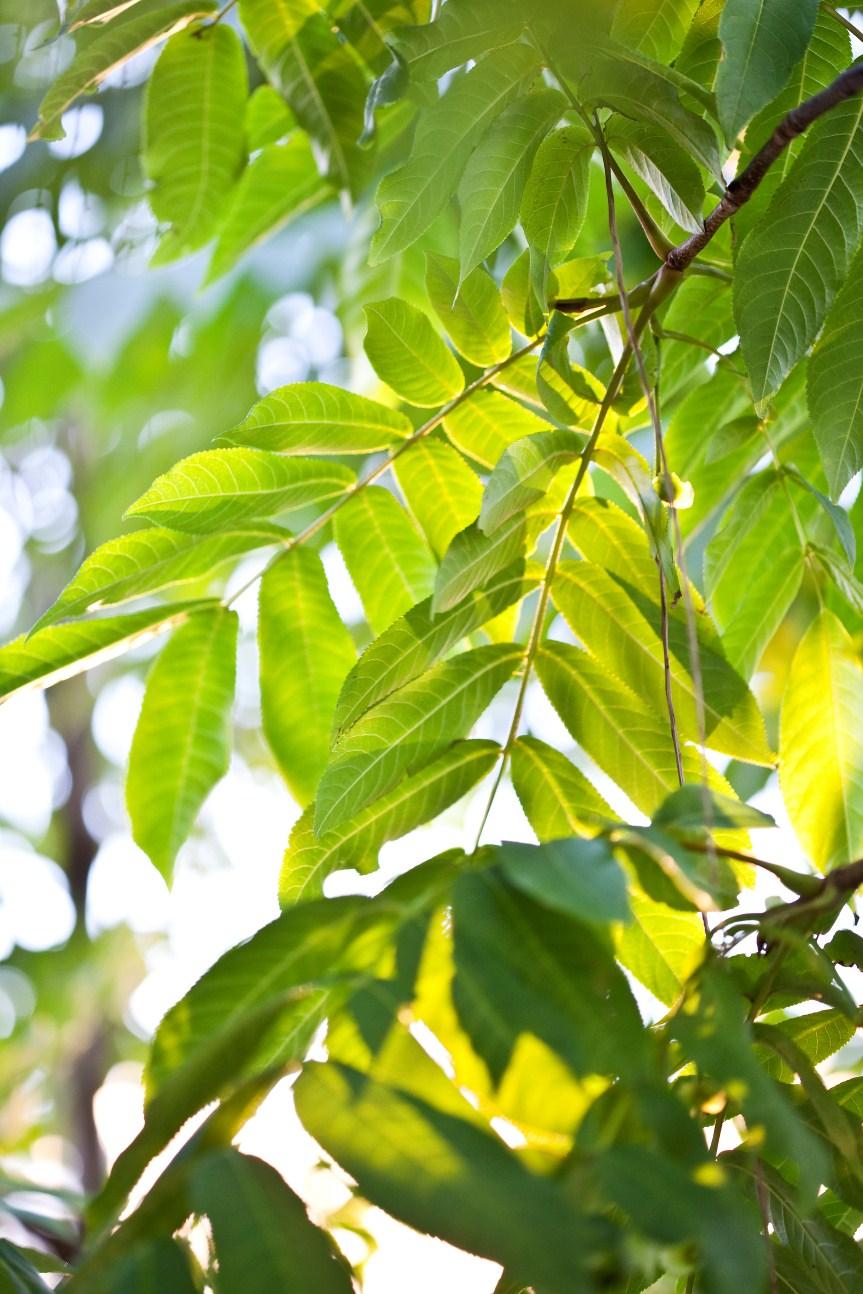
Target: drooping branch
[[741, 189]]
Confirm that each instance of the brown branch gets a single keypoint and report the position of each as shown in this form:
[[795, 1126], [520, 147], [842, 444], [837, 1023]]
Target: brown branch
[[741, 189]]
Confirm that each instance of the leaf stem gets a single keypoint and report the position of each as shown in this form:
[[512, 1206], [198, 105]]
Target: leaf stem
[[846, 22], [535, 636]]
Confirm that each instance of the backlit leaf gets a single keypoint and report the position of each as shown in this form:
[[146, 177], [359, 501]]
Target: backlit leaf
[[491, 189], [309, 859], [484, 425], [524, 473], [440, 1174], [389, 561], [182, 743], [315, 418], [219, 487], [279, 185], [821, 744], [622, 628], [420, 638], [442, 492], [471, 311], [409, 728], [61, 651], [414, 195], [107, 48], [556, 796], [835, 385], [321, 78], [195, 140], [407, 354], [263, 1237], [304, 652], [152, 559]]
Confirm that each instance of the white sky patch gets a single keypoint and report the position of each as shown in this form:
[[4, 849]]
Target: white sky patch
[[27, 247]]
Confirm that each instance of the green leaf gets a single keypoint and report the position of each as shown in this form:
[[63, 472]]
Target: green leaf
[[694, 807], [658, 27], [182, 743], [61, 651], [470, 311], [554, 204], [406, 353], [254, 1011], [463, 30], [17, 1274], [724, 1052], [268, 118], [413, 643], [219, 487], [441, 1175], [442, 492], [321, 78], [304, 652], [760, 44], [664, 167], [663, 1199], [627, 81], [263, 1237], [413, 196], [279, 185], [158, 1264], [627, 740], [831, 1260], [483, 426], [749, 611], [578, 877], [522, 967], [821, 744], [310, 858], [557, 798], [96, 11], [622, 628], [106, 49], [388, 560], [827, 54], [835, 385], [195, 138], [299, 964], [524, 473], [818, 1034], [315, 418], [409, 728], [473, 559], [491, 189], [150, 560], [661, 946], [790, 267]]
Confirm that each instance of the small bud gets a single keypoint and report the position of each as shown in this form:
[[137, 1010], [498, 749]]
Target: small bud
[[674, 492]]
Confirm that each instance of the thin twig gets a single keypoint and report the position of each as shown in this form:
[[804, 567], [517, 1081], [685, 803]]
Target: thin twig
[[535, 636], [661, 464], [357, 488], [846, 22], [741, 189], [216, 18], [662, 470]]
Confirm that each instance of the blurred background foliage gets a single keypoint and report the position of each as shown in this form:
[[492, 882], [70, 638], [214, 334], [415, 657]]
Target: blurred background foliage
[[110, 373]]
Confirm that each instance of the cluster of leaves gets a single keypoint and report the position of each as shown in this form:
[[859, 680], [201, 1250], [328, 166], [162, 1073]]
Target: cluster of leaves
[[501, 522]]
